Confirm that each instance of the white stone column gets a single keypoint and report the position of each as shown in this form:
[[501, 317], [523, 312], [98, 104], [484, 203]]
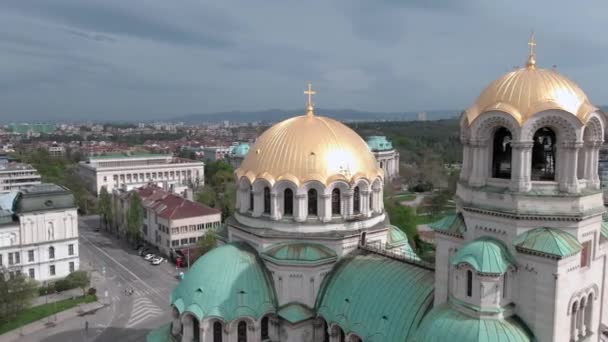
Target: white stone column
[[465, 171], [275, 209], [325, 213], [479, 164], [593, 157], [300, 207], [568, 180], [347, 203], [364, 203], [258, 203], [520, 166]]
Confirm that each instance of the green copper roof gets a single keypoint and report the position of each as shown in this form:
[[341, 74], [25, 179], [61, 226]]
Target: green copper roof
[[375, 297], [549, 242], [295, 312], [228, 282], [486, 255], [379, 143], [240, 150], [446, 324], [299, 253], [397, 239], [452, 224]]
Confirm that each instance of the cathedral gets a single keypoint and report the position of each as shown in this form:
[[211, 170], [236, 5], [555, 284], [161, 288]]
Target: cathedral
[[310, 255]]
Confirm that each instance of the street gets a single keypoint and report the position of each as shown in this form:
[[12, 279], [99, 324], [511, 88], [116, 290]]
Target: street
[[116, 267]]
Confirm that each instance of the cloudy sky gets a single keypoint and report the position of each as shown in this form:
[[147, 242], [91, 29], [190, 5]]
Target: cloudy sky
[[142, 59]]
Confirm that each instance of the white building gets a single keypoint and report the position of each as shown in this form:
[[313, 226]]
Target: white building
[[42, 243], [120, 171], [171, 222], [213, 153], [15, 176], [56, 150], [387, 157]]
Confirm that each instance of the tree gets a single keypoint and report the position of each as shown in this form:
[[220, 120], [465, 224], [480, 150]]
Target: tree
[[207, 243], [135, 217], [16, 292], [105, 206], [438, 202], [402, 217], [79, 279]]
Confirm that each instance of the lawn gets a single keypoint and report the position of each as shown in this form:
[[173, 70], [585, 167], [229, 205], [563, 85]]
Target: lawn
[[39, 312]]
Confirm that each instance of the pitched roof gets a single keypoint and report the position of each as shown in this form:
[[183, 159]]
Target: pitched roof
[[548, 242], [171, 206], [452, 224]]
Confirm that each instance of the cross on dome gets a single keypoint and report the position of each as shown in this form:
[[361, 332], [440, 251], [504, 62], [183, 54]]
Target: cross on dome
[[309, 92], [531, 63]]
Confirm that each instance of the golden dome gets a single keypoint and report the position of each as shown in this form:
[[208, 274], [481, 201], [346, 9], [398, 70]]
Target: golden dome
[[529, 90], [309, 147]]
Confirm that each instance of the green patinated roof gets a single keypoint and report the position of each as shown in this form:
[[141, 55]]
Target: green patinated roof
[[550, 242], [379, 143], [486, 255], [397, 239], [229, 282], [452, 224], [240, 150], [299, 253], [377, 298], [295, 312], [444, 323]]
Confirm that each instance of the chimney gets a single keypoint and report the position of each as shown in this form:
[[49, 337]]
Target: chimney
[[189, 194]]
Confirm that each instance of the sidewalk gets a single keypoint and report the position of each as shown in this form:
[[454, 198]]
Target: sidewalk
[[48, 322]]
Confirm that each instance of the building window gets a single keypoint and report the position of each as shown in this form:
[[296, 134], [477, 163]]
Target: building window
[[32, 273], [266, 200], [11, 260], [335, 202], [469, 283], [145, 211], [585, 254], [192, 240], [30, 255], [312, 202], [71, 266], [52, 270], [70, 249], [217, 332], [504, 285], [250, 198], [51, 252], [17, 258], [288, 202], [184, 241], [501, 154], [241, 332], [145, 229], [0, 259], [264, 329], [356, 200], [543, 155]]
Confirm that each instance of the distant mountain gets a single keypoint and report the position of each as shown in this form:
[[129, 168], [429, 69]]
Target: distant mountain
[[273, 115]]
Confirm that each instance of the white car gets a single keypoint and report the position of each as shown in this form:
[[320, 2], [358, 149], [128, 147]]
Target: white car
[[149, 256], [157, 261]]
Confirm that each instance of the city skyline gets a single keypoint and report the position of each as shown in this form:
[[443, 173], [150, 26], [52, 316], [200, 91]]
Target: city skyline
[[78, 60]]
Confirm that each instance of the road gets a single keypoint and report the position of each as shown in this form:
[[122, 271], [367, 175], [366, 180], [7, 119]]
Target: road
[[116, 267]]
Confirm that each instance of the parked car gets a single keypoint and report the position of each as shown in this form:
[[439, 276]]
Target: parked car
[[157, 261], [143, 251], [149, 256]]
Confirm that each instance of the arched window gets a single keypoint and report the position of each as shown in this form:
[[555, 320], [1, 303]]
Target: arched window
[[469, 283], [589, 311], [342, 336], [288, 202], [241, 332], [196, 329], [335, 202], [264, 329], [217, 332], [574, 322], [355, 338], [543, 155], [51, 252], [266, 200], [501, 154], [312, 202], [250, 198], [356, 200], [371, 202], [325, 331]]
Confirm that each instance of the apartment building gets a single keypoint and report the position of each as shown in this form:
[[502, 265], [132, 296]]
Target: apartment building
[[15, 176]]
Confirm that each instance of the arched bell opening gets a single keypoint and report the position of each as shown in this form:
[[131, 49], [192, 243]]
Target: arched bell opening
[[501, 154], [543, 155]]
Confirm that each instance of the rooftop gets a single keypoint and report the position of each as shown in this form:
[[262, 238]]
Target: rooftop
[[124, 155], [171, 206], [15, 166]]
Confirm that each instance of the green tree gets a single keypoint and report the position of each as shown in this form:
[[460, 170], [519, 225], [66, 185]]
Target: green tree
[[438, 202], [207, 197], [402, 217], [105, 206], [135, 217], [16, 292], [79, 279]]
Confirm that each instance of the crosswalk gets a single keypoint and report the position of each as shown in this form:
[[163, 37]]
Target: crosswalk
[[143, 309]]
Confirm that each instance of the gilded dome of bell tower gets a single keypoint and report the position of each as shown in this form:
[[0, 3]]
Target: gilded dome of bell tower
[[309, 147], [528, 90]]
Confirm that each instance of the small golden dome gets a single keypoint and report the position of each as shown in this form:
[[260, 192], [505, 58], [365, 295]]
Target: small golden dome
[[309, 147], [529, 90]]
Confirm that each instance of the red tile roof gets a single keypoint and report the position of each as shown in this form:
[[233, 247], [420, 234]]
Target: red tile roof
[[171, 206]]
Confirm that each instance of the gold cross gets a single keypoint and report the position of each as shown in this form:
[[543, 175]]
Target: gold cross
[[310, 93], [531, 44]]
